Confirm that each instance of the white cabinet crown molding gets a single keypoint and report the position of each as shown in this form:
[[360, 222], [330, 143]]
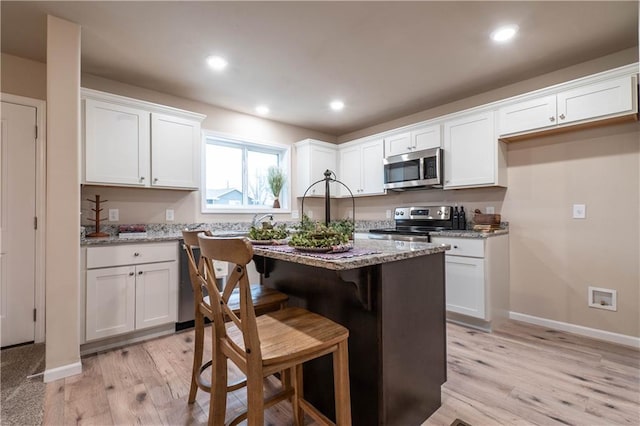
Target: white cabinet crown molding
[[150, 106], [625, 70]]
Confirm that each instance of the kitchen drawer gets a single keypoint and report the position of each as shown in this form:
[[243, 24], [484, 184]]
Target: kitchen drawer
[[462, 246], [130, 254]]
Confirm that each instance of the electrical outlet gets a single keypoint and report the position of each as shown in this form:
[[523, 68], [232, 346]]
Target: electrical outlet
[[310, 214], [295, 214], [579, 211], [349, 214], [388, 214], [169, 214], [114, 215], [490, 209]]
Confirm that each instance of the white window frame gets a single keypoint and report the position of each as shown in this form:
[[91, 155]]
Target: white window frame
[[285, 198]]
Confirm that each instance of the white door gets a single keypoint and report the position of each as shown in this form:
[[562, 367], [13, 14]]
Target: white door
[[469, 151], [156, 301], [17, 231], [117, 140], [174, 151], [465, 293], [372, 168], [350, 170], [111, 298]]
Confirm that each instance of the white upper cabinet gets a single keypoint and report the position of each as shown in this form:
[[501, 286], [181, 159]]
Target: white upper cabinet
[[600, 100], [116, 144], [174, 157], [313, 158], [361, 168], [536, 113], [417, 139], [134, 143], [399, 143], [595, 101], [472, 154]]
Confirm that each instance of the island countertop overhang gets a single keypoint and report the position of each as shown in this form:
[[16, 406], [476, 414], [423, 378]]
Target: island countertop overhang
[[386, 251]]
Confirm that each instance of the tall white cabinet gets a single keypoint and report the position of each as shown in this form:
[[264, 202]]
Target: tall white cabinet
[[134, 143], [473, 156]]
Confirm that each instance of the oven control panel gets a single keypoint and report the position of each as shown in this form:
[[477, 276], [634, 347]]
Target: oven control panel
[[423, 213]]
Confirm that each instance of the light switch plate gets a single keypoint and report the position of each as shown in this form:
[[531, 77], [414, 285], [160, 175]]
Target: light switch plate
[[169, 215], [388, 214], [295, 214], [490, 210], [114, 215], [579, 211]]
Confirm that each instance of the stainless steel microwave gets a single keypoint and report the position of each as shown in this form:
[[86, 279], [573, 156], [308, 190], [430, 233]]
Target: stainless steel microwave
[[414, 170]]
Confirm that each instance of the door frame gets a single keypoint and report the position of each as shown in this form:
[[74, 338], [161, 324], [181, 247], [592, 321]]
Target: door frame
[[41, 185]]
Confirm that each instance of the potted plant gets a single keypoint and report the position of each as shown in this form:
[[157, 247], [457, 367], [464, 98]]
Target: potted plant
[[276, 179]]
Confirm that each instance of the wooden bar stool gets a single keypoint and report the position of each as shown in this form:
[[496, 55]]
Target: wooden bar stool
[[263, 345], [264, 300]]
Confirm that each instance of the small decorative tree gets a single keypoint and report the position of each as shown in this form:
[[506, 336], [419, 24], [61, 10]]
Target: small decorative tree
[[276, 179]]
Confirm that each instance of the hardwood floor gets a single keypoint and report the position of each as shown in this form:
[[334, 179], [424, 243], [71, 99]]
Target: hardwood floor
[[519, 375]]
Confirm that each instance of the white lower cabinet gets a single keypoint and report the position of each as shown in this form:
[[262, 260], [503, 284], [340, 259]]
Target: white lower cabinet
[[129, 288], [465, 285], [477, 277]]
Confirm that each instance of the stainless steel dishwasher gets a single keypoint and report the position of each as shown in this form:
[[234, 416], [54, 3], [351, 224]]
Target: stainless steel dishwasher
[[186, 314]]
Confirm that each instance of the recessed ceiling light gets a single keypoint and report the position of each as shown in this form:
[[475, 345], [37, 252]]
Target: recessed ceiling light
[[262, 109], [505, 33], [218, 63], [336, 105]]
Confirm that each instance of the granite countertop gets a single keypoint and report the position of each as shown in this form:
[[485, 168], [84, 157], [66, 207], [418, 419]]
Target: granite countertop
[[151, 237], [461, 233], [384, 251]]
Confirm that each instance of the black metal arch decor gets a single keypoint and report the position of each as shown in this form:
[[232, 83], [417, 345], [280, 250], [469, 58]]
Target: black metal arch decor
[[327, 195]]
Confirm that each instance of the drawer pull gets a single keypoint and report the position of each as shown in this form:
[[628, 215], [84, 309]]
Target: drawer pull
[[139, 272], [455, 247], [136, 254], [130, 274]]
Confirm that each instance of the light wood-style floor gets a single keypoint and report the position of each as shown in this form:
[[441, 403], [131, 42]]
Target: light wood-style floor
[[519, 375]]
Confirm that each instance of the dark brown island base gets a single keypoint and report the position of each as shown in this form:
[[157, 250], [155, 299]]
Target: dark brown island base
[[393, 304]]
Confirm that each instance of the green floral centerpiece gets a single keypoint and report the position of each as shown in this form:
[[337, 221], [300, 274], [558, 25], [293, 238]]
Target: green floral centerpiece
[[314, 236], [268, 234]]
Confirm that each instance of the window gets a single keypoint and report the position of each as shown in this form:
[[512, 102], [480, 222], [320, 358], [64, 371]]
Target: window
[[235, 174]]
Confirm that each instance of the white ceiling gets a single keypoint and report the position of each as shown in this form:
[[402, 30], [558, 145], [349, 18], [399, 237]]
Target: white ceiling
[[384, 59]]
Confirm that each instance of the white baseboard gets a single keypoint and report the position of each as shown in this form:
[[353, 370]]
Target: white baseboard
[[594, 333], [61, 372]]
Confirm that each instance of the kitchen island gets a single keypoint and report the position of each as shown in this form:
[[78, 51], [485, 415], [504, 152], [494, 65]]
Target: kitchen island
[[391, 297]]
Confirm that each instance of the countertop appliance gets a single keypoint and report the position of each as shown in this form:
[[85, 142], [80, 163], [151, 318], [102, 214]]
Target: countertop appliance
[[415, 223], [413, 170]]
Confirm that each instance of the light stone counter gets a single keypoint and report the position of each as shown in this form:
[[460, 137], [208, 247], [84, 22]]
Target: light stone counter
[[386, 251], [460, 233]]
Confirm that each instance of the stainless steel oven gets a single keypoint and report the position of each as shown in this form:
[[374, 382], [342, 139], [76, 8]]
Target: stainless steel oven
[[414, 170], [415, 223]]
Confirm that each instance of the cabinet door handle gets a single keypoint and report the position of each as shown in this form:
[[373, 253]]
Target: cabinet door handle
[[141, 178], [552, 119], [136, 254], [139, 272], [130, 274], [409, 147], [455, 247], [562, 116], [155, 180]]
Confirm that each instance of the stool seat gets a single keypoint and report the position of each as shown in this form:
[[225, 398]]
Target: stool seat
[[291, 333]]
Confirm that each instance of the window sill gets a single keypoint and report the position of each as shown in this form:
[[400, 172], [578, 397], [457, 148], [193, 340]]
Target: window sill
[[249, 211]]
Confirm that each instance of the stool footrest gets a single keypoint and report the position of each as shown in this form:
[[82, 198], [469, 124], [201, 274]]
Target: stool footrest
[[205, 385], [268, 402]]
